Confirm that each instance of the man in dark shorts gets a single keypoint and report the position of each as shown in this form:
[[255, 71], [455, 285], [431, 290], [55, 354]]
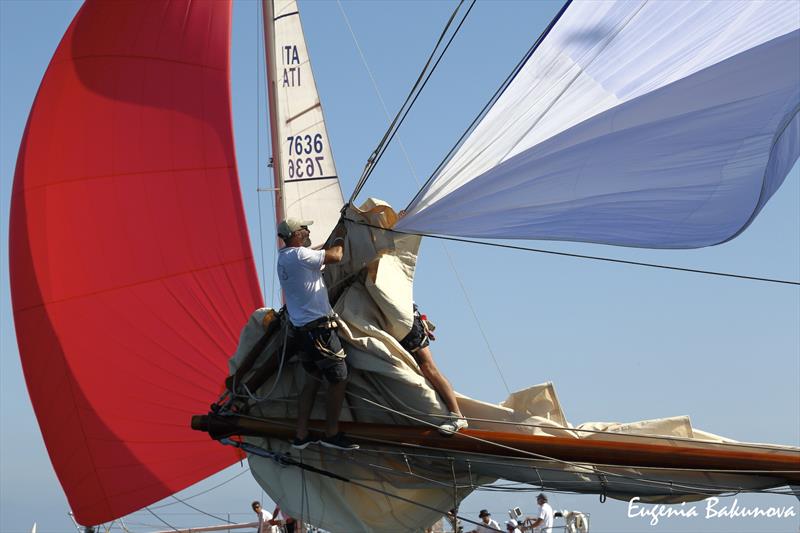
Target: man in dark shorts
[[310, 312], [417, 343]]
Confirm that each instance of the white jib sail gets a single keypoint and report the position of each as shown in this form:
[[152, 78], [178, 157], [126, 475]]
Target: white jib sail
[[637, 123], [305, 173]]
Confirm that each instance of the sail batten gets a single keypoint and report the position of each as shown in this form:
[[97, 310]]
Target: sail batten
[[633, 123]]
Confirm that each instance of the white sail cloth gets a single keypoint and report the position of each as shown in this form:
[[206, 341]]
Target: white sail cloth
[[386, 386], [302, 156], [636, 123]]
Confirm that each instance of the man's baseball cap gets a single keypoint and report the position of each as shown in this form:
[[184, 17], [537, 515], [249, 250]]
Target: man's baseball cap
[[290, 225], [483, 513]]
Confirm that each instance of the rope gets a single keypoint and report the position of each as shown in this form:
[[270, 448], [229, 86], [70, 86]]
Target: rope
[[410, 99], [161, 519], [500, 90], [548, 426], [246, 470], [584, 256], [351, 458], [274, 205], [477, 320], [416, 179], [285, 459], [553, 459], [251, 395], [598, 471], [455, 483], [635, 480], [258, 153], [303, 493], [201, 511]]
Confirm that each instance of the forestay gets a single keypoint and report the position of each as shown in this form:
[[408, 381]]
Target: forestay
[[305, 174], [636, 123]]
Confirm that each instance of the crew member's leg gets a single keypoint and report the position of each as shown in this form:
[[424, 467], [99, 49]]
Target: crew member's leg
[[336, 374], [417, 342], [424, 359], [307, 402], [335, 400]]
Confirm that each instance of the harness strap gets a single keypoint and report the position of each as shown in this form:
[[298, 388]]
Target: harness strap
[[325, 322]]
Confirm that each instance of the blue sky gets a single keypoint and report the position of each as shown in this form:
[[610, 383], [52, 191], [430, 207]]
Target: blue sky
[[620, 343]]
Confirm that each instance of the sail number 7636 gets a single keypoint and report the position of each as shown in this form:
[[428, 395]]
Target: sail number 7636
[[300, 145]]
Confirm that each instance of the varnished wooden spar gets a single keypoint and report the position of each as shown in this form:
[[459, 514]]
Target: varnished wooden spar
[[777, 463]]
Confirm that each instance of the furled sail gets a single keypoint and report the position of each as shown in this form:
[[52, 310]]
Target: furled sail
[[131, 268], [305, 174], [406, 475], [636, 123]]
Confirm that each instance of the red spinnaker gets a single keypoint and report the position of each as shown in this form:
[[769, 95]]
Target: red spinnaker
[[131, 267]]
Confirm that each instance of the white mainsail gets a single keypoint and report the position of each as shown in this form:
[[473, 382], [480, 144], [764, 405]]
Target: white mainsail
[[635, 123], [305, 174]]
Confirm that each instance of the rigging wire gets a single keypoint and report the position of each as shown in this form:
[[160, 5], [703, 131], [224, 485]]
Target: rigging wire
[[260, 52], [173, 528], [251, 395], [708, 490], [258, 153], [550, 426], [243, 472], [551, 485], [478, 322], [417, 88], [413, 171], [285, 459], [533, 454], [189, 505], [585, 256], [500, 90], [196, 509], [274, 205], [595, 467], [636, 480]]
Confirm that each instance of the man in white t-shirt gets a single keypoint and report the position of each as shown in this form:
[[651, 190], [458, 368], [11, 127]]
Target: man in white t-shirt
[[265, 522], [545, 519], [314, 322], [489, 525]]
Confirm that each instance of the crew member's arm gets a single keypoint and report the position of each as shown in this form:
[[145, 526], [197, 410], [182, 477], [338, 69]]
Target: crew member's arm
[[275, 521], [335, 252], [536, 522]]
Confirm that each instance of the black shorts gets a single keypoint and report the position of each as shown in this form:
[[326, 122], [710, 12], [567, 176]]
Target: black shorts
[[417, 338], [334, 369]]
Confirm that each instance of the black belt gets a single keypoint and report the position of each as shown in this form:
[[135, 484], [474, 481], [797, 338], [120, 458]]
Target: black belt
[[325, 322]]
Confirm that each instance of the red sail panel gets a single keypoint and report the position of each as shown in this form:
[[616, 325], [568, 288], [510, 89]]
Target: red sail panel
[[131, 267]]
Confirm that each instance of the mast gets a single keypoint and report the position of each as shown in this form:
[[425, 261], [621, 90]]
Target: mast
[[268, 13], [306, 182]]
